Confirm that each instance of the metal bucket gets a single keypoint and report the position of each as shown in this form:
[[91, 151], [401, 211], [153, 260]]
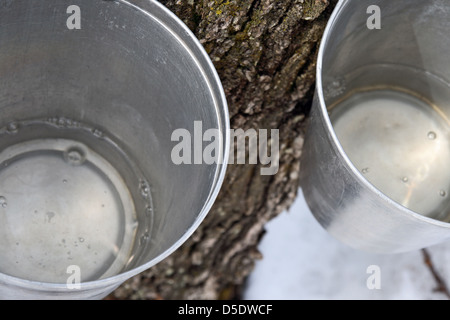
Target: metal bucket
[[376, 162], [91, 93]]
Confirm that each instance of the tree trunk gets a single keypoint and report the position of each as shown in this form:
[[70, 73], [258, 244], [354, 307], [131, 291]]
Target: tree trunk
[[265, 53]]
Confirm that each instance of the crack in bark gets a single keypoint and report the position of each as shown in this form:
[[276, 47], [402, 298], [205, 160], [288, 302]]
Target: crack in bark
[[249, 14]]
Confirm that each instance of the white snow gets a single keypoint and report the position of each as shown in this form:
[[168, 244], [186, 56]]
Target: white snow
[[303, 262]]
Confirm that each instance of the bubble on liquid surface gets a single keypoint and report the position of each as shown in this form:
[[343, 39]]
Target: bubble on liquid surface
[[63, 122], [98, 133], [12, 128], [144, 238], [405, 179], [3, 202], [148, 211], [365, 170], [75, 156], [432, 135], [443, 193], [145, 188]]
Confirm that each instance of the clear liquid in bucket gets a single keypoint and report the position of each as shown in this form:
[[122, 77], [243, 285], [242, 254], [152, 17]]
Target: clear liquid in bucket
[[401, 144], [68, 197]]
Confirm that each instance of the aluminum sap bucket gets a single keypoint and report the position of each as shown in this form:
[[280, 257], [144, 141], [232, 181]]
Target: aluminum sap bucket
[[375, 168], [91, 93]]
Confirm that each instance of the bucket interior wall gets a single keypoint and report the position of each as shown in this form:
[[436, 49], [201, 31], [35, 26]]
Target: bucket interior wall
[[413, 34], [126, 73]]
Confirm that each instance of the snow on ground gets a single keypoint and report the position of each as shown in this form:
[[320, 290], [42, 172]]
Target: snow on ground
[[302, 262]]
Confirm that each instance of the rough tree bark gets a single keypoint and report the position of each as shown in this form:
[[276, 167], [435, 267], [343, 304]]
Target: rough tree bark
[[265, 53]]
